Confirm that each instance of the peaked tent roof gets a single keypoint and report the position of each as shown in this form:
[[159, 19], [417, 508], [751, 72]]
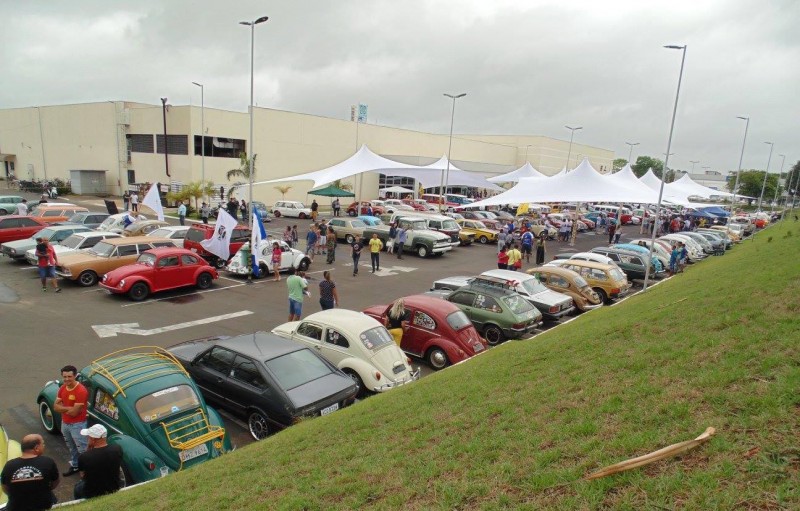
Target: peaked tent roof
[[689, 184], [514, 176], [626, 177], [331, 191], [583, 184], [431, 175]]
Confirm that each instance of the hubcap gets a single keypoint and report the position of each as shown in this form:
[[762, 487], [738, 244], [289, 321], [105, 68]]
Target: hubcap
[[438, 359], [258, 426], [47, 415]]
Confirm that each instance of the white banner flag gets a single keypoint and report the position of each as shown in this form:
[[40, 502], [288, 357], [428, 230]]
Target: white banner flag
[[219, 242], [153, 201]]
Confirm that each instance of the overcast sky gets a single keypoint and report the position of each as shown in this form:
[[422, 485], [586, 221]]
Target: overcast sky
[[528, 67]]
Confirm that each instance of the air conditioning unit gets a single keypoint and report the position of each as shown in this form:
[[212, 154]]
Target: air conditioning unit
[[125, 117]]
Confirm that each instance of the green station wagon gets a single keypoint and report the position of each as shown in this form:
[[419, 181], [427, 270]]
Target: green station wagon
[[151, 408], [498, 313]]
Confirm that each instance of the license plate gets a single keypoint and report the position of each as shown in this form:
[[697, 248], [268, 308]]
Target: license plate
[[398, 369], [332, 408], [193, 453], [478, 347]]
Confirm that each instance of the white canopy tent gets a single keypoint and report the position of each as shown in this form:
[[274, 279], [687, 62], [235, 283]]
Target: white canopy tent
[[395, 189], [429, 176], [690, 185], [514, 176], [626, 177], [583, 184]]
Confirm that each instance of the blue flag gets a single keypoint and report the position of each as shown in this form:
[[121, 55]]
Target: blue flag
[[258, 234]]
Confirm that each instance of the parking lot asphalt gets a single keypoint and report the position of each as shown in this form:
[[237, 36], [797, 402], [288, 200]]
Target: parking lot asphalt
[[43, 331]]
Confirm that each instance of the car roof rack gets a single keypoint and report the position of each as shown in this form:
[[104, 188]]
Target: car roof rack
[[494, 282], [125, 368]]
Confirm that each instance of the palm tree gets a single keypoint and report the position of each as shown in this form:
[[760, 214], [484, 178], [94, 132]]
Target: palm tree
[[244, 168], [342, 185], [283, 190]]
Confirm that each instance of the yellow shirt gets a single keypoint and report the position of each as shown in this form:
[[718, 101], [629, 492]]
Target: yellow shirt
[[375, 245], [514, 255]]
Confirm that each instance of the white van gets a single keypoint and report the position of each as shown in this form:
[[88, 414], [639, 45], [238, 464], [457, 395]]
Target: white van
[[609, 210]]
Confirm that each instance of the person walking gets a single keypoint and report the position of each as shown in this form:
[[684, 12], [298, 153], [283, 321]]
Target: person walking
[[330, 245], [502, 258], [501, 240], [205, 212], [683, 257], [355, 253], [673, 260], [311, 241], [314, 209], [375, 247], [612, 228], [277, 253], [232, 207], [295, 237], [99, 465], [298, 288], [402, 237], [328, 296], [71, 404], [514, 258], [135, 201], [182, 213], [336, 205], [392, 238], [46, 262], [322, 239], [618, 233], [126, 200], [527, 245], [243, 209], [30, 479], [22, 207], [541, 248], [287, 235]]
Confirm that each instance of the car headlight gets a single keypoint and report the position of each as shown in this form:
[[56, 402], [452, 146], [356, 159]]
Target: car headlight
[[13, 251], [121, 284]]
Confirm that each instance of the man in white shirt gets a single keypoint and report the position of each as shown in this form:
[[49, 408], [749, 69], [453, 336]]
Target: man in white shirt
[[134, 202], [182, 213], [22, 208]]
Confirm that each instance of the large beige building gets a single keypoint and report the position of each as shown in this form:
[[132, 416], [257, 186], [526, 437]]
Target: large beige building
[[125, 141]]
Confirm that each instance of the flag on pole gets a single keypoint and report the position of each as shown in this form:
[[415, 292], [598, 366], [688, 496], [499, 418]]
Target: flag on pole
[[219, 242], [522, 209], [153, 200], [258, 234]]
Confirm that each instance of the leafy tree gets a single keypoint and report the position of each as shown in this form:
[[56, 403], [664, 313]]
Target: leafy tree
[[244, 168], [344, 186], [750, 183], [792, 183], [194, 190], [283, 189], [646, 162], [618, 164]]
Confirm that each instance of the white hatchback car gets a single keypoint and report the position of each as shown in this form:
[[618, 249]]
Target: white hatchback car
[[176, 233], [291, 208], [74, 243], [355, 343], [395, 205], [290, 258]]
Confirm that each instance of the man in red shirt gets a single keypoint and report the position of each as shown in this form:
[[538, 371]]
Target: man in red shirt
[[47, 260], [71, 404]]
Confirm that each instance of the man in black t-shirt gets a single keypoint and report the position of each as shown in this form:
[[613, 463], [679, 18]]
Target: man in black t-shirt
[[29, 480], [355, 252], [99, 465]]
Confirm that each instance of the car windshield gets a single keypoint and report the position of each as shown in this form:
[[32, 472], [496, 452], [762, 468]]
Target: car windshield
[[418, 224], [376, 338], [161, 233], [533, 286], [147, 259], [45, 233], [77, 218], [517, 304], [357, 224], [616, 274], [297, 368], [102, 249], [458, 320], [107, 223], [158, 405], [72, 241], [450, 225]]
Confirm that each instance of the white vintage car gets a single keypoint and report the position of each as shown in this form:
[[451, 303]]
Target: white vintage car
[[290, 257], [395, 205], [291, 208], [176, 233], [74, 243], [355, 343]]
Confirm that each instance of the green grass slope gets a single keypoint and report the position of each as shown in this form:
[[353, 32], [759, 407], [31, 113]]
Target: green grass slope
[[520, 426]]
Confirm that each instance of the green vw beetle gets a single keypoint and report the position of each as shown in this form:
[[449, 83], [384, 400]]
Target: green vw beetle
[[151, 408]]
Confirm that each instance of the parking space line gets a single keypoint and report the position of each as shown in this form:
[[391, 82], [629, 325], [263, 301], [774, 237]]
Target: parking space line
[[154, 300]]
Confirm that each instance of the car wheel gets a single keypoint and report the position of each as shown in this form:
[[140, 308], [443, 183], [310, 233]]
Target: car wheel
[[362, 390], [301, 216], [484, 240], [602, 294], [349, 239], [87, 278], [47, 418], [277, 213], [263, 271], [258, 424], [218, 263], [125, 477], [3, 212], [422, 251], [304, 264], [204, 280], [138, 292], [351, 212], [493, 335], [437, 358]]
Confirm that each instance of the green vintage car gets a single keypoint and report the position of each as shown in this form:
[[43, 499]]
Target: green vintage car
[[151, 408], [498, 313]]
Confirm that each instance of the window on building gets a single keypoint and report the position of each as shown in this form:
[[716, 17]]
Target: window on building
[[131, 177], [176, 144], [219, 147], [385, 181], [139, 143]]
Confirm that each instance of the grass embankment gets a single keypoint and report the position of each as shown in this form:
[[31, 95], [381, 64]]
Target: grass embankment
[[520, 426]]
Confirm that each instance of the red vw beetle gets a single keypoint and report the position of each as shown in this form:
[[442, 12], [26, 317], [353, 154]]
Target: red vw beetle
[[160, 269], [434, 329]]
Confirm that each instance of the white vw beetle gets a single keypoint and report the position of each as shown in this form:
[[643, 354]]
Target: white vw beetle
[[290, 258], [355, 343]]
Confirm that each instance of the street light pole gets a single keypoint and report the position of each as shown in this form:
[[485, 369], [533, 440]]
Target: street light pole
[[693, 162], [741, 156], [526, 151], [252, 25], [766, 174], [446, 178], [202, 136], [666, 166], [777, 185], [571, 135], [630, 153]]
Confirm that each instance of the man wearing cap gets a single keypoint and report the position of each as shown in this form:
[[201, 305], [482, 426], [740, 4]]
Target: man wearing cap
[[99, 465]]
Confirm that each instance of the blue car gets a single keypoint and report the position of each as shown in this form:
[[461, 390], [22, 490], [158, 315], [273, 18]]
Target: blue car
[[262, 210], [371, 221], [644, 251]]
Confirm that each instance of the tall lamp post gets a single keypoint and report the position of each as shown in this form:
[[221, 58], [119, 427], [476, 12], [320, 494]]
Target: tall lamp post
[[666, 165], [741, 156], [526, 152], [630, 153], [766, 174], [446, 178], [694, 162], [202, 136], [571, 135], [777, 185]]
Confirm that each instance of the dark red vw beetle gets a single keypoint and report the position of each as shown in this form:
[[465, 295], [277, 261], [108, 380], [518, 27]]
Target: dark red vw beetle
[[434, 329]]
